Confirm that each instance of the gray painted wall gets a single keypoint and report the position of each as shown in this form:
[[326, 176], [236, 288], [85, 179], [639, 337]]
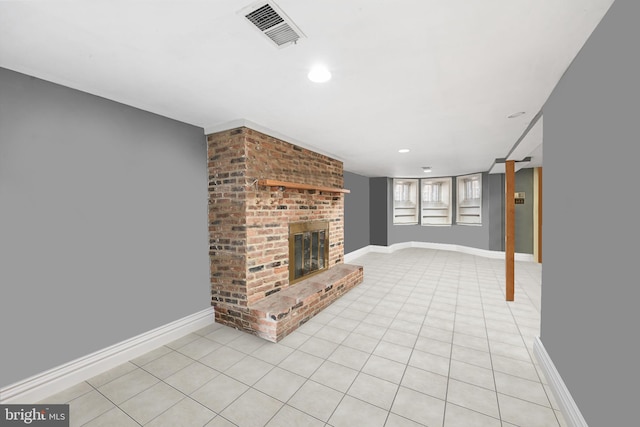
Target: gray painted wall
[[524, 213], [590, 289], [475, 236], [356, 212], [378, 210], [496, 212], [103, 223]]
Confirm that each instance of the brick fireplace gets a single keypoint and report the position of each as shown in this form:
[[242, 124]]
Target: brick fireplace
[[260, 186]]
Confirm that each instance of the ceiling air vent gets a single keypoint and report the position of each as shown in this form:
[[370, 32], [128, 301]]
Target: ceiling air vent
[[269, 19]]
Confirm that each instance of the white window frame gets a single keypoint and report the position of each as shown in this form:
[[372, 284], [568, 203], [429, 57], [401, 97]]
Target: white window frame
[[469, 199], [405, 201], [435, 201]]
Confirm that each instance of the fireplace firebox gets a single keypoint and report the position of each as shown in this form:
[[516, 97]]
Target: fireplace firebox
[[308, 249]]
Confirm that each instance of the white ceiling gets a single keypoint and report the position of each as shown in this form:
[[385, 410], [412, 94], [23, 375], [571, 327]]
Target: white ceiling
[[529, 146], [437, 77]]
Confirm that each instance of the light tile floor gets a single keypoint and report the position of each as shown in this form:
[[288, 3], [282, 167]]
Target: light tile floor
[[426, 340]]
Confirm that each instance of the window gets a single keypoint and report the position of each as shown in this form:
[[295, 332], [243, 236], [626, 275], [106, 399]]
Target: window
[[469, 199], [405, 201], [436, 201]]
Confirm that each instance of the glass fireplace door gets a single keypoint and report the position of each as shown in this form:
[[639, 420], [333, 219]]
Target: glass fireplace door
[[308, 249]]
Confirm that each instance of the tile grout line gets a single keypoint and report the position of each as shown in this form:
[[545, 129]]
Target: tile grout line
[[160, 380], [453, 334], [514, 317], [359, 372], [405, 288], [369, 357], [404, 372], [534, 366], [484, 319]]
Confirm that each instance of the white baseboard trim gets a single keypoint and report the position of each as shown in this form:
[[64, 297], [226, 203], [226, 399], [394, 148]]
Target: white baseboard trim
[[355, 254], [567, 405], [40, 386], [439, 246]]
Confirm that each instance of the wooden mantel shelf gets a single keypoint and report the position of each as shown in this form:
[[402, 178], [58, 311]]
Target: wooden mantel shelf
[[273, 183]]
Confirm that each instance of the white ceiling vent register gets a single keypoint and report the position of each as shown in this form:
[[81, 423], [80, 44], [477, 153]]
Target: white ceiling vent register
[[271, 21]]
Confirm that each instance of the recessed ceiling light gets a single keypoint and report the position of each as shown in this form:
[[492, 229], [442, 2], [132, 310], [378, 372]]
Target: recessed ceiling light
[[426, 169], [514, 115], [319, 74], [403, 150]]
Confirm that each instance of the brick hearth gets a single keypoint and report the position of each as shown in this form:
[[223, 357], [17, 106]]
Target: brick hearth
[[249, 230]]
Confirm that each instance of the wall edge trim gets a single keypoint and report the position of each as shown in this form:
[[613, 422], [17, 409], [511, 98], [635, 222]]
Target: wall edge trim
[[567, 405], [54, 380]]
